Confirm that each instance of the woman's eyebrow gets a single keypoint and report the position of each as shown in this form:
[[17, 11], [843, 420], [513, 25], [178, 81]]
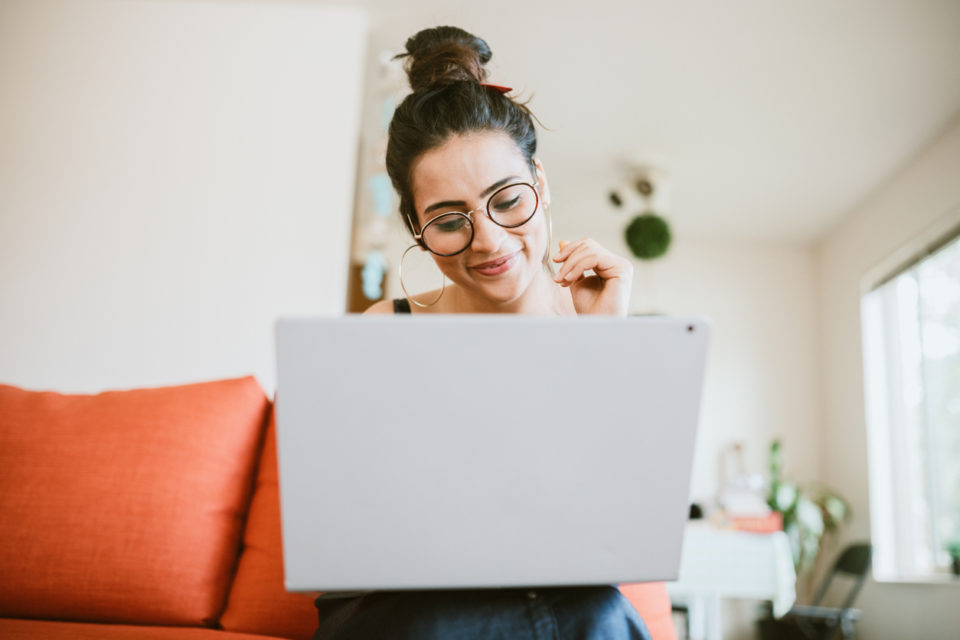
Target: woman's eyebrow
[[460, 203]]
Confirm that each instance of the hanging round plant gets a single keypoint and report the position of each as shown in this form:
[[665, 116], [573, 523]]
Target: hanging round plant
[[648, 236]]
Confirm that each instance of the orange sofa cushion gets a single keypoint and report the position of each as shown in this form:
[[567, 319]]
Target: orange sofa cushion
[[651, 601], [125, 506], [258, 602], [48, 630]]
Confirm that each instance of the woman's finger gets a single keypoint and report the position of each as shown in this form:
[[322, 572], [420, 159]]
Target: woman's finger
[[606, 292], [565, 249], [566, 257], [571, 249], [609, 265], [577, 263]]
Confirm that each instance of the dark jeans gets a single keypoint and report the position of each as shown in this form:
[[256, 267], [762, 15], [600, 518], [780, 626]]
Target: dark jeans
[[555, 613]]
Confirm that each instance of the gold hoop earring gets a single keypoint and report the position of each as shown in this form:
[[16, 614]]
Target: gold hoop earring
[[443, 286], [547, 262]]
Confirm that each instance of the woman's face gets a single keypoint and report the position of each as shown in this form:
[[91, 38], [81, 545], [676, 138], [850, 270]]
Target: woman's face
[[462, 173]]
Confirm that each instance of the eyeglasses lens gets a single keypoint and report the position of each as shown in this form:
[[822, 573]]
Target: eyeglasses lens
[[448, 234], [513, 205], [509, 207]]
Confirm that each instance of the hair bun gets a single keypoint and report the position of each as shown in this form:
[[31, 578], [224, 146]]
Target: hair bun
[[443, 55]]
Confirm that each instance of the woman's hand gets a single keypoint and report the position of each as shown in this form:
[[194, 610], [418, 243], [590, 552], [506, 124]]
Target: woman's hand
[[607, 292]]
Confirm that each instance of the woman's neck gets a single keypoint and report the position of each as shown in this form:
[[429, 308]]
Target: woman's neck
[[543, 297]]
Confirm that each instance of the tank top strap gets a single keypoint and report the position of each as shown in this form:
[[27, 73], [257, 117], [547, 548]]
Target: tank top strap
[[401, 305]]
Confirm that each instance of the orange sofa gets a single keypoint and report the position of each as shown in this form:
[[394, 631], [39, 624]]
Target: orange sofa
[[154, 513]]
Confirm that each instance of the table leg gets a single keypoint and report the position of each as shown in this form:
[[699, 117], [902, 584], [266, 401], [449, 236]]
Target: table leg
[[696, 617], [714, 618]]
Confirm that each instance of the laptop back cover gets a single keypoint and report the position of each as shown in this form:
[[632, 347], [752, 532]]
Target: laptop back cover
[[485, 451]]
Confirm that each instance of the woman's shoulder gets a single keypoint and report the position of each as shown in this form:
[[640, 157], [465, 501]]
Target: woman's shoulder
[[404, 305], [383, 306], [396, 305]]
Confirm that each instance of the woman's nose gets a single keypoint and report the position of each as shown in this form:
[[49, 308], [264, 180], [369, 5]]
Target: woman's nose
[[487, 234]]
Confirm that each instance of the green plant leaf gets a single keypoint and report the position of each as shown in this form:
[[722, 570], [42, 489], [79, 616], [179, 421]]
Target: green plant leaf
[[793, 534], [836, 509], [810, 517], [810, 547], [786, 496], [775, 461]]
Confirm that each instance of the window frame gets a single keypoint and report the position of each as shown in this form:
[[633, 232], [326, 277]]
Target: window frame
[[886, 468]]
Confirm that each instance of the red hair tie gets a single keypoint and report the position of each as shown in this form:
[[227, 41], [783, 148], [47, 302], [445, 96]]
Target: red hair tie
[[497, 87]]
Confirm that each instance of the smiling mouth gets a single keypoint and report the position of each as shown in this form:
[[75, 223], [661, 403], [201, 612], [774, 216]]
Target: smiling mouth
[[499, 265]]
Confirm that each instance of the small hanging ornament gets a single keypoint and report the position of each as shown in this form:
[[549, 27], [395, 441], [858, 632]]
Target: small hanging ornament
[[648, 236]]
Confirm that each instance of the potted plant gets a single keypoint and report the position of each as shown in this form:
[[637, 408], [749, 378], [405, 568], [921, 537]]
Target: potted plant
[[953, 548], [809, 512]]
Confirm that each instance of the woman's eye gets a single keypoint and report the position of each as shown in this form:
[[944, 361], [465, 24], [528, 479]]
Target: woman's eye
[[509, 204], [450, 226]]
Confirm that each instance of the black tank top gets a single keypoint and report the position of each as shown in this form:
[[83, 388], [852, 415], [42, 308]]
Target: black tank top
[[401, 305]]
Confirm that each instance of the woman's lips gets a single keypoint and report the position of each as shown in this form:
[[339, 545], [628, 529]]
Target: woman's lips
[[498, 266]]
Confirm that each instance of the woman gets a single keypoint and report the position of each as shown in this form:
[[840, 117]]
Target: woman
[[472, 193], [450, 142]]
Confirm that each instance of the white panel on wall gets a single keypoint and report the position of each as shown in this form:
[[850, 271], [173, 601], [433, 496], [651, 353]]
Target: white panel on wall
[[173, 176]]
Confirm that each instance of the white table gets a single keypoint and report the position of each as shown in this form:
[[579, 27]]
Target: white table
[[717, 564]]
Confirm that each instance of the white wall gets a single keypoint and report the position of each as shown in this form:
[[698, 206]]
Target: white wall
[[173, 176], [925, 189]]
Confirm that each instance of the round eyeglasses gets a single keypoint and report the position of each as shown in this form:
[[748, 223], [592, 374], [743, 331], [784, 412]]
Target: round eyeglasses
[[451, 232]]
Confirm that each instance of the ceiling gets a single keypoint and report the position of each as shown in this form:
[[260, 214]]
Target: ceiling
[[771, 120]]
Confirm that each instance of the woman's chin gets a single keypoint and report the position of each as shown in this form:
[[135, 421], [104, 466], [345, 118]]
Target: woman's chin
[[499, 288], [502, 289]]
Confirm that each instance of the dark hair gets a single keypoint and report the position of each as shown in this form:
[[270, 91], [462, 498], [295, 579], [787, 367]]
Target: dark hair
[[445, 66]]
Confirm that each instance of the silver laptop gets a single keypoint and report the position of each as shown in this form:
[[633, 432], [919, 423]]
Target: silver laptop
[[422, 452]]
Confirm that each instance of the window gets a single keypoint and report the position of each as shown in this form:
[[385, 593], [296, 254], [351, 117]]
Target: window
[[911, 357]]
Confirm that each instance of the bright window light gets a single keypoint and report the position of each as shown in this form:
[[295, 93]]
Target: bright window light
[[911, 357]]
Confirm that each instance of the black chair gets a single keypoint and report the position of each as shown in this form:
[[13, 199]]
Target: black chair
[[816, 622]]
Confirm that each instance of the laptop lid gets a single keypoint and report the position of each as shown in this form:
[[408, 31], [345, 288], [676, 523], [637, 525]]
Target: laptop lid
[[464, 451]]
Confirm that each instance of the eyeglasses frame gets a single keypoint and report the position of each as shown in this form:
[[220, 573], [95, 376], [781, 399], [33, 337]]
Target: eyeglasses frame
[[468, 215]]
